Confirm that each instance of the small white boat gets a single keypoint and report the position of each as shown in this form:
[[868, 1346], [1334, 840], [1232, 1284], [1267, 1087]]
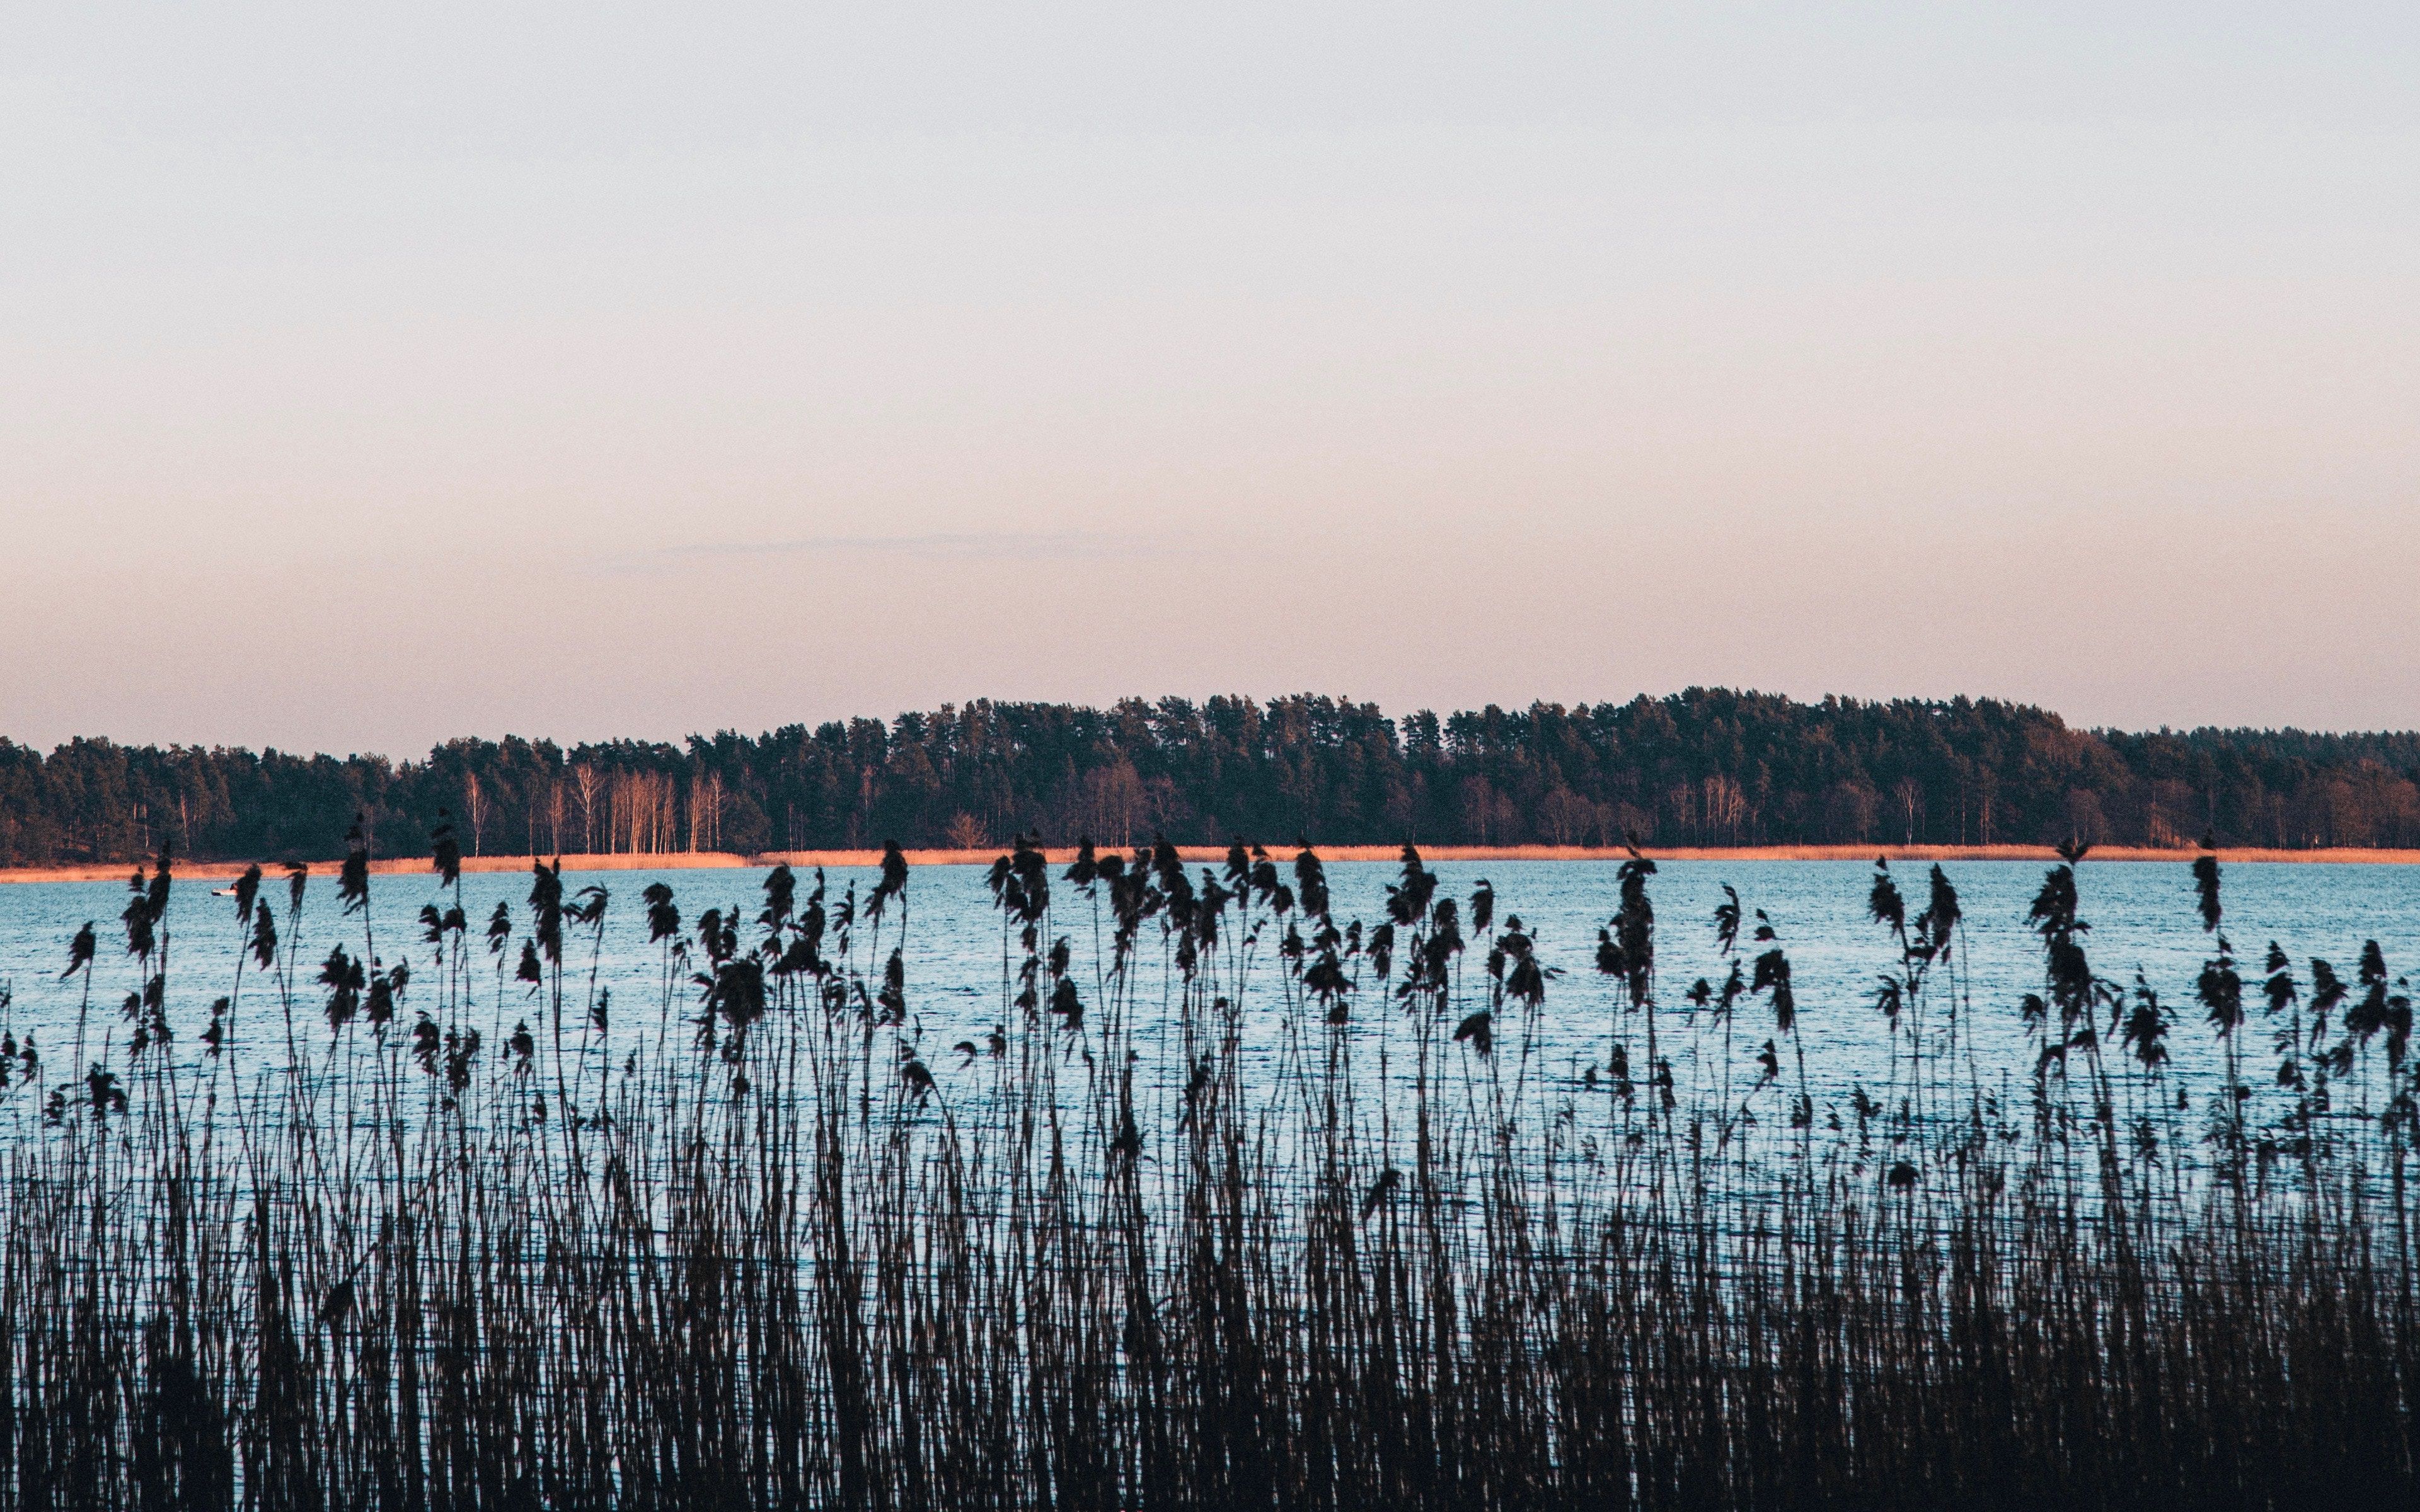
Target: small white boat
[[222, 892]]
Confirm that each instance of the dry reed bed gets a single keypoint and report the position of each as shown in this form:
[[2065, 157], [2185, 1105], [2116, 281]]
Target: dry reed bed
[[1060, 855], [385, 1241]]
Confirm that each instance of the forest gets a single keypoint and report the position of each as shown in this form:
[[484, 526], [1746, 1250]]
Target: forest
[[1704, 767]]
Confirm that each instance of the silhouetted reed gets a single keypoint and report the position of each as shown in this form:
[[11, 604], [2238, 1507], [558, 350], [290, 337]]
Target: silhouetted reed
[[1236, 1205]]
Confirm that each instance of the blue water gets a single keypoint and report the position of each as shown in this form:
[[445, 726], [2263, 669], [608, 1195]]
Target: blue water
[[2142, 916]]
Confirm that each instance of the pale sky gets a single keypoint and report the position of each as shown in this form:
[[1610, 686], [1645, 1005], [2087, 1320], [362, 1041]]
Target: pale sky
[[371, 375]]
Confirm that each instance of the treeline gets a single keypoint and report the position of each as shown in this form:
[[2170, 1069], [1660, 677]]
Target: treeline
[[1703, 767]]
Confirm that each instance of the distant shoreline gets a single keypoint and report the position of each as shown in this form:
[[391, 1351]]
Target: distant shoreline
[[1060, 854]]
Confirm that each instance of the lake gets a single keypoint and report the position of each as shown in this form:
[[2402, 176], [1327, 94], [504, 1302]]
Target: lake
[[2142, 916]]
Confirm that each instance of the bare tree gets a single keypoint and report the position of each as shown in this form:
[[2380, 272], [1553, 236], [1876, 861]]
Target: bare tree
[[586, 779], [474, 807]]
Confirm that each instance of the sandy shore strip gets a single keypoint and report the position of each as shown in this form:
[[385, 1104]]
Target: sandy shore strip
[[1214, 855]]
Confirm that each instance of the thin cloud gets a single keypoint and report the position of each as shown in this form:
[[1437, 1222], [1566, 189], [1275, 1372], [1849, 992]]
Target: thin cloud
[[934, 546]]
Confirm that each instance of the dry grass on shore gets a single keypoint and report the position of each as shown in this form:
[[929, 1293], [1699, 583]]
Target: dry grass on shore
[[688, 860]]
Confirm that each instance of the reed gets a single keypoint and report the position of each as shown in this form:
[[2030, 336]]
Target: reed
[[1238, 1204]]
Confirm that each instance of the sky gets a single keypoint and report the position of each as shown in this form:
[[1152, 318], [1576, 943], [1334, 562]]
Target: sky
[[373, 374]]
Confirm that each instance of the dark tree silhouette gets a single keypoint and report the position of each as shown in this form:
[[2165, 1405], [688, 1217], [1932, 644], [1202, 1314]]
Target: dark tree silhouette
[[1708, 766]]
